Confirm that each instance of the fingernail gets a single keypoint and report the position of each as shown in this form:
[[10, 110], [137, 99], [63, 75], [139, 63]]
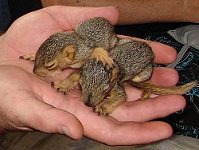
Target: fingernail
[[64, 130]]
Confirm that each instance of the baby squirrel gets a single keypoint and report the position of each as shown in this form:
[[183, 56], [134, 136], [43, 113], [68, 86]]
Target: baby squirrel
[[91, 39], [106, 63], [100, 88], [135, 61], [96, 80]]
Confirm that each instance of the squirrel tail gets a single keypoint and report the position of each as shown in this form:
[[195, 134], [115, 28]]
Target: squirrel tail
[[150, 88]]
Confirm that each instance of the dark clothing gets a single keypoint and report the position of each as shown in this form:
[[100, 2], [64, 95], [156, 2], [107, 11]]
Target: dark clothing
[[21, 7], [5, 17], [10, 10]]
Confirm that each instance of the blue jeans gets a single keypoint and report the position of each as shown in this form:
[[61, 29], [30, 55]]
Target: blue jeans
[[42, 141]]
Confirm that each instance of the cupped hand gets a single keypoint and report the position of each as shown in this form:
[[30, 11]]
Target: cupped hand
[[28, 102]]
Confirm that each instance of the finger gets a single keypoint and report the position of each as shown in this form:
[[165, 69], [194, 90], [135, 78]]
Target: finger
[[43, 117], [161, 76], [164, 76], [164, 54], [112, 132], [138, 133], [149, 109], [68, 17]]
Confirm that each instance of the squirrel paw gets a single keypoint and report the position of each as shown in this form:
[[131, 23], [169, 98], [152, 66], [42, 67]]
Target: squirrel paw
[[101, 109], [67, 84], [60, 87], [28, 57], [102, 55]]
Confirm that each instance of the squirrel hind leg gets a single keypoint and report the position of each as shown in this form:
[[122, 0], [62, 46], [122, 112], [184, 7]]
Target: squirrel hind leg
[[30, 57], [67, 84], [116, 97], [144, 74], [145, 95]]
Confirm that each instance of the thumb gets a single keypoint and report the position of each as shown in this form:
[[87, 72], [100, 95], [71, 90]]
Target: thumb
[[68, 17], [46, 118]]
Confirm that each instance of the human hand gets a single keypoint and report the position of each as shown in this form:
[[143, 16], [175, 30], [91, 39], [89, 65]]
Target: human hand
[[128, 124], [23, 105]]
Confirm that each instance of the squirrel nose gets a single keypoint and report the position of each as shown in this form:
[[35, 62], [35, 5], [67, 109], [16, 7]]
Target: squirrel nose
[[88, 101], [39, 72], [88, 104]]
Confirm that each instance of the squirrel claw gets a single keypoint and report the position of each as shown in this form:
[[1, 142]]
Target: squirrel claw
[[52, 84], [100, 110], [28, 57], [106, 61], [102, 55], [59, 87]]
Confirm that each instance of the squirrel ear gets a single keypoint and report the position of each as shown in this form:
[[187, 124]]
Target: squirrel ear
[[69, 51]]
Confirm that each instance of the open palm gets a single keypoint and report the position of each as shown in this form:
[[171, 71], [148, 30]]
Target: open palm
[[29, 103]]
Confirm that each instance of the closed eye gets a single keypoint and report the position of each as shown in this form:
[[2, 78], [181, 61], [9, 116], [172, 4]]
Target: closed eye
[[106, 88], [51, 65]]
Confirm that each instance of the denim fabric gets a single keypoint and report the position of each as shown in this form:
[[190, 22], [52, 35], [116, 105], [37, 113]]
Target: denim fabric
[[42, 141]]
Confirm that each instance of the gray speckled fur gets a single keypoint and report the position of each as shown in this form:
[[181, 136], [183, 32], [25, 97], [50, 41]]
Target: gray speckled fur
[[94, 79], [55, 44], [99, 30], [131, 58]]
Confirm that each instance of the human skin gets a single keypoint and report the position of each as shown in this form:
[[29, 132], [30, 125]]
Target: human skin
[[30, 103], [142, 11]]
